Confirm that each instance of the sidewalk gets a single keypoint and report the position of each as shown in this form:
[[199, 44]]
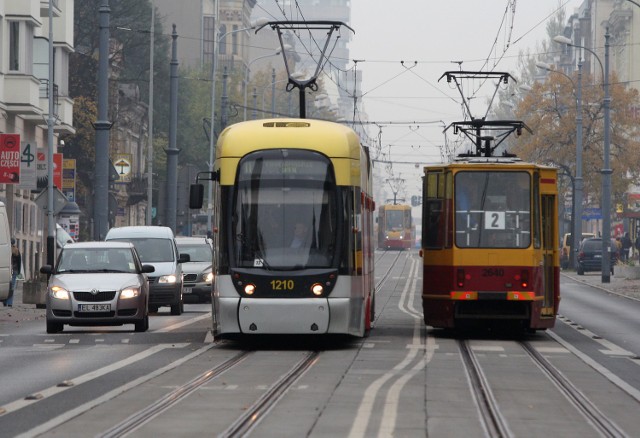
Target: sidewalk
[[617, 285], [19, 312]]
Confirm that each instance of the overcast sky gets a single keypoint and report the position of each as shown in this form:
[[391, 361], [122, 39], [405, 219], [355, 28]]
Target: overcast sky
[[434, 33]]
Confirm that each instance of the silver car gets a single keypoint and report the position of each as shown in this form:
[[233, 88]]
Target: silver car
[[196, 273], [97, 283]]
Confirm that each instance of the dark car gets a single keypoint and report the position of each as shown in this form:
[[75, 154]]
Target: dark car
[[196, 273], [590, 256]]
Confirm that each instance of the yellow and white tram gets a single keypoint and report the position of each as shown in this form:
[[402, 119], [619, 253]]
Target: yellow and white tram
[[293, 228]]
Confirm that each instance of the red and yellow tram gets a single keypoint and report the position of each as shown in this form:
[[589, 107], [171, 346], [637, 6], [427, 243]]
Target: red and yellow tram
[[395, 227], [489, 243]]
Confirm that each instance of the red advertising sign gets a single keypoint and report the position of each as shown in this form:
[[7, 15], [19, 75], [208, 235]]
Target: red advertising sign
[[9, 158], [57, 170], [43, 174]]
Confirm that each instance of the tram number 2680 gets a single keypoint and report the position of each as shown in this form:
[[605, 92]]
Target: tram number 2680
[[282, 284], [493, 272]]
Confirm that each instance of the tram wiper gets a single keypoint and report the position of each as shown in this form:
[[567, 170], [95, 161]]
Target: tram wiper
[[257, 252]]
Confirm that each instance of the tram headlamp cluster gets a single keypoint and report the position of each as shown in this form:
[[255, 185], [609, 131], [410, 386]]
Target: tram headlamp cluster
[[317, 289], [249, 289]]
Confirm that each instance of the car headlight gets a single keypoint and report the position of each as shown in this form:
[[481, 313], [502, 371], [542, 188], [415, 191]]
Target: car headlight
[[59, 293], [167, 279], [130, 292], [208, 277]]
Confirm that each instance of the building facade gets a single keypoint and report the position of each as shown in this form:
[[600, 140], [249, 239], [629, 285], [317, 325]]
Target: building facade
[[24, 104]]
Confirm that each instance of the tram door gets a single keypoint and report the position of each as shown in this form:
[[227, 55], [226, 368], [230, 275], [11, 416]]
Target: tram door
[[548, 212]]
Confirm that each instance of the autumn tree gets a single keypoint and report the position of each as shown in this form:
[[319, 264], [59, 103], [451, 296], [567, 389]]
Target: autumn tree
[[549, 109]]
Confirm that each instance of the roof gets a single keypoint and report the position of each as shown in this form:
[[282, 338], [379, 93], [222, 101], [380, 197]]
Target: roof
[[140, 231], [98, 244]]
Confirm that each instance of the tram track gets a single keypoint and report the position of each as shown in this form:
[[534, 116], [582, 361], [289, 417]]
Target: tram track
[[603, 424], [151, 411], [493, 421], [257, 410]]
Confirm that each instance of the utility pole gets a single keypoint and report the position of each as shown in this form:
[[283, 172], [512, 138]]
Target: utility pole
[[172, 151], [51, 223], [102, 127], [149, 216]]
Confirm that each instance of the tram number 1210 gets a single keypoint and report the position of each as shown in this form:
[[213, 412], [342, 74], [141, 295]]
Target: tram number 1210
[[282, 284]]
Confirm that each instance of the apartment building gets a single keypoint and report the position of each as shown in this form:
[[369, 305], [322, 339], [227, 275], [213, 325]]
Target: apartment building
[[24, 105]]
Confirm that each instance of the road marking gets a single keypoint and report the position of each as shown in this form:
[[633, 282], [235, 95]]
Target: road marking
[[183, 323], [74, 341], [56, 421], [611, 349], [487, 348], [633, 392], [361, 421]]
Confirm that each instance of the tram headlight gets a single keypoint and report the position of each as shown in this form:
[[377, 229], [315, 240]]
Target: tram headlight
[[317, 289], [249, 289]]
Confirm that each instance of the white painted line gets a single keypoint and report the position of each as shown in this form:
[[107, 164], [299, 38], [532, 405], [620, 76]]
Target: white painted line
[[487, 348], [551, 350], [610, 348], [54, 422], [74, 341], [125, 341], [183, 323], [53, 390], [633, 392]]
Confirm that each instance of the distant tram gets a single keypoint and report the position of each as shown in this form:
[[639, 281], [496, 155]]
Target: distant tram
[[293, 223], [395, 227], [489, 243]]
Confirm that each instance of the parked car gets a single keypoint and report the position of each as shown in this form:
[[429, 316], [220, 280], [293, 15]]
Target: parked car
[[196, 273], [567, 240], [157, 246], [589, 256], [97, 283]]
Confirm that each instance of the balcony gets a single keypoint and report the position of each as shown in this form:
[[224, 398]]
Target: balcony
[[137, 189], [46, 4], [22, 95]]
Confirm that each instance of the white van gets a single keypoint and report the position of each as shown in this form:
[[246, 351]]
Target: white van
[[5, 253], [157, 246]]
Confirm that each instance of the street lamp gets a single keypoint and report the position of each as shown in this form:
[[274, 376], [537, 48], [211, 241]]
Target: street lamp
[[246, 80], [212, 142], [606, 170], [576, 215]]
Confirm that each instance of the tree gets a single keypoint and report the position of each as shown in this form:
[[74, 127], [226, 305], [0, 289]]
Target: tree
[[550, 110]]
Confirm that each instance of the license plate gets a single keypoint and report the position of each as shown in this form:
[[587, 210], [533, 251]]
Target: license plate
[[94, 307], [186, 290]]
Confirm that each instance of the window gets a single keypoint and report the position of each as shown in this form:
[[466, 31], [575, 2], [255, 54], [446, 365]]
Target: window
[[14, 46], [493, 209], [209, 32], [285, 211], [234, 40], [222, 46]]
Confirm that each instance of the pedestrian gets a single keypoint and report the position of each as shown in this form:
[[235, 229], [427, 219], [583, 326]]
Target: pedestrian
[[16, 265], [637, 245], [626, 246]]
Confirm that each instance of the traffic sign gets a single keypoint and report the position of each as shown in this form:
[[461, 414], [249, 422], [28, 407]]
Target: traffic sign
[[59, 200]]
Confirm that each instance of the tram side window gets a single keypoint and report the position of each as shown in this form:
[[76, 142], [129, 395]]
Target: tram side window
[[434, 229]]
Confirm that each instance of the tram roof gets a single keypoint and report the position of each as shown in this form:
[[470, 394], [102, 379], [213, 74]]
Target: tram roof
[[492, 162], [332, 139]]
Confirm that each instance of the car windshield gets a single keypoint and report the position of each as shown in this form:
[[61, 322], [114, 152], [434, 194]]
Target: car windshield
[[197, 252], [152, 250], [96, 260]]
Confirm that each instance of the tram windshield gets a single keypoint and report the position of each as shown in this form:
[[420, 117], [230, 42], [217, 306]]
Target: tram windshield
[[395, 220], [285, 214], [493, 209]]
